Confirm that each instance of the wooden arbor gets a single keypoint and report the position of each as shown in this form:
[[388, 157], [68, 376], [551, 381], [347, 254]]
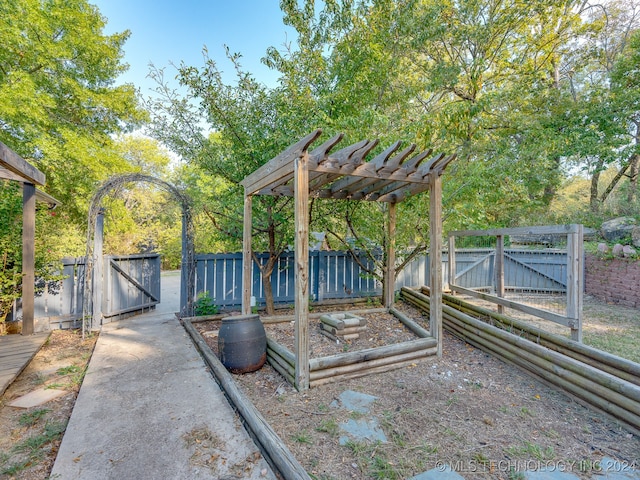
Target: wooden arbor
[[14, 167], [392, 176]]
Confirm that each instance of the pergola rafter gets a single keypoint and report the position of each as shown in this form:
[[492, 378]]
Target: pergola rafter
[[391, 177]]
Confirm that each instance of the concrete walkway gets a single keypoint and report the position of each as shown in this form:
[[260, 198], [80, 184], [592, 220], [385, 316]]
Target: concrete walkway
[[149, 408]]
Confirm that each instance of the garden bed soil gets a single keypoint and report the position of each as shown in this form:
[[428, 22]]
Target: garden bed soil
[[484, 418]]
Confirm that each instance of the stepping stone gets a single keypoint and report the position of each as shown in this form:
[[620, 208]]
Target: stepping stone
[[362, 429], [37, 397], [611, 469], [355, 401], [445, 472]]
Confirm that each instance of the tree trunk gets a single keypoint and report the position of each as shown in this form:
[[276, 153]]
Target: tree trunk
[[633, 179], [594, 202], [268, 291]]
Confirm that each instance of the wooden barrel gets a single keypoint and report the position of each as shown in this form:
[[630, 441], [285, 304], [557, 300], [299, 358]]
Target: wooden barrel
[[242, 343]]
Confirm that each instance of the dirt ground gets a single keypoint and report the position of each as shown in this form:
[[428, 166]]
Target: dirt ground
[[484, 418], [29, 438]]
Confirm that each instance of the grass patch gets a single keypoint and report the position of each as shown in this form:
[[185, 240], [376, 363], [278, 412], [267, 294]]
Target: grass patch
[[532, 450], [31, 418], [621, 341], [33, 445], [302, 437], [329, 426]]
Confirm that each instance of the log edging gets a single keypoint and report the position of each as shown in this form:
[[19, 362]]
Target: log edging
[[272, 447]]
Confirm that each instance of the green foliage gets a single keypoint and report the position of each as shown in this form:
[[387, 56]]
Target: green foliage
[[31, 418], [58, 104], [10, 245], [205, 305]]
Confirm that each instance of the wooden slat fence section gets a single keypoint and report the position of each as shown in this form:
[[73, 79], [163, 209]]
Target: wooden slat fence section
[[332, 274], [131, 283], [60, 304], [335, 275], [16, 351]]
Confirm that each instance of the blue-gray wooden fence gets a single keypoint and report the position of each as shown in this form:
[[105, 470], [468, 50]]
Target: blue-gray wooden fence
[[333, 275], [59, 305], [131, 283]]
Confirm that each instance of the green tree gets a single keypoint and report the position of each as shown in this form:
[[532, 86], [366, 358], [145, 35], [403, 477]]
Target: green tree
[[252, 124], [58, 102]]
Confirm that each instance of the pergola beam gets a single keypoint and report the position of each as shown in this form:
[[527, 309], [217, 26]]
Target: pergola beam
[[18, 166]]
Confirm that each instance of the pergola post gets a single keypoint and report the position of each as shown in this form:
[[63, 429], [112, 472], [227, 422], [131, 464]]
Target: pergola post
[[390, 270], [301, 196], [28, 256], [435, 258], [246, 256]]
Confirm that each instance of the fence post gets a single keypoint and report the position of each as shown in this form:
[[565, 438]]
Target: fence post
[[451, 264], [98, 271], [575, 286], [498, 263]]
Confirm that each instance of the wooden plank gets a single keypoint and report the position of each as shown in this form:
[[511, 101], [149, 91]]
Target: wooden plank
[[499, 269], [537, 230], [553, 317], [302, 272], [16, 164], [319, 180], [279, 166], [372, 165], [283, 186], [141, 288], [98, 272], [319, 154], [23, 348]]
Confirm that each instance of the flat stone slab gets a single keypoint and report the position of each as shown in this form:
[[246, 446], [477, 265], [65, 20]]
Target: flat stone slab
[[611, 469], [362, 429], [444, 472], [37, 397], [355, 401]]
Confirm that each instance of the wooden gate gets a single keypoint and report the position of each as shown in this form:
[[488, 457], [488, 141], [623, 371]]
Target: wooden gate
[[524, 270], [131, 284]]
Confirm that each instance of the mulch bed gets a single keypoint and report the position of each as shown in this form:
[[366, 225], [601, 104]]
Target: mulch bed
[[485, 418]]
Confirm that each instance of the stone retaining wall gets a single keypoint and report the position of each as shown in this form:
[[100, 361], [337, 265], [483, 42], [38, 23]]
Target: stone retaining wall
[[614, 280]]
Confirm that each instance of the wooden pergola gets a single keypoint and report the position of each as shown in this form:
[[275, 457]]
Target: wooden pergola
[[14, 167], [392, 176]]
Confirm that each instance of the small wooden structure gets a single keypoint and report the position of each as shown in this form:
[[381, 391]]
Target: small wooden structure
[[14, 167], [573, 235], [391, 177], [16, 351]]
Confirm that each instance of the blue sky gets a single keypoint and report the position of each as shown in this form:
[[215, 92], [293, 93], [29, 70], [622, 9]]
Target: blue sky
[[171, 31]]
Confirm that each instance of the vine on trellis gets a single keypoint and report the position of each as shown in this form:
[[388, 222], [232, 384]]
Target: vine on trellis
[[113, 186]]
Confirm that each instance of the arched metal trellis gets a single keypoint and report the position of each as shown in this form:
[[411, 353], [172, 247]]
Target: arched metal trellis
[[112, 187]]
